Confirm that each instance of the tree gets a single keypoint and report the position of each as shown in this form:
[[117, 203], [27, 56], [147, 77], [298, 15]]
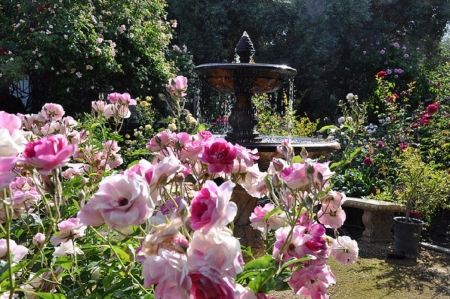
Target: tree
[[317, 37]]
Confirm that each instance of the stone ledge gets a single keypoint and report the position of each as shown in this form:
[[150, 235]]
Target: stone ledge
[[373, 205], [377, 217]]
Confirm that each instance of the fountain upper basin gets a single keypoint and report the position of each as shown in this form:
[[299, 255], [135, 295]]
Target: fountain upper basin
[[249, 78]]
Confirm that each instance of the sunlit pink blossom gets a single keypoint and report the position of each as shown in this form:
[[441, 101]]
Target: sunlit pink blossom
[[212, 207], [169, 272], [67, 248], [177, 86], [18, 252], [345, 250], [48, 153], [312, 281], [120, 201], [69, 229], [217, 250], [52, 111], [274, 222], [219, 155], [39, 239]]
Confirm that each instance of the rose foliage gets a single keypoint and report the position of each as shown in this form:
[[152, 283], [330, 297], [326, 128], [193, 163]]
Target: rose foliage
[[79, 224]]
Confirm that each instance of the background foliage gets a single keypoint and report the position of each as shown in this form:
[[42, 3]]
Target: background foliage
[[323, 40], [70, 51]]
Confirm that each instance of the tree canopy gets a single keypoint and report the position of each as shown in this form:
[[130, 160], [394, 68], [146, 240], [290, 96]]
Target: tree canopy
[[334, 45]]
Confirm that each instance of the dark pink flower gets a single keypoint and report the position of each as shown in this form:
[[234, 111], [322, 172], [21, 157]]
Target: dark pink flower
[[48, 153], [212, 207], [432, 108], [210, 285], [219, 155], [381, 74], [368, 161]]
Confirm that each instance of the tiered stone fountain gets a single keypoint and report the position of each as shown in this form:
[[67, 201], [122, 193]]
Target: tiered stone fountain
[[244, 79]]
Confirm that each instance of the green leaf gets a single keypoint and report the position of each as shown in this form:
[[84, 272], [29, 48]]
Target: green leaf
[[65, 262], [325, 128], [295, 261], [256, 284], [274, 211], [124, 256], [50, 295], [261, 263]]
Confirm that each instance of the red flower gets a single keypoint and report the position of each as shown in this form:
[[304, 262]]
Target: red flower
[[40, 9], [381, 74], [432, 108], [415, 214], [368, 161], [437, 84], [3, 51], [424, 119], [47, 5], [393, 97]]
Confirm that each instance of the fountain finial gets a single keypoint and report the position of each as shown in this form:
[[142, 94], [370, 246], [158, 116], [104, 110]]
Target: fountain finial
[[244, 49]]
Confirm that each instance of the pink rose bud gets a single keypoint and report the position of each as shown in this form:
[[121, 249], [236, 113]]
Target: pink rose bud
[[39, 239]]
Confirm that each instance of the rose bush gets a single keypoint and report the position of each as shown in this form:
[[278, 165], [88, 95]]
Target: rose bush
[[77, 223]]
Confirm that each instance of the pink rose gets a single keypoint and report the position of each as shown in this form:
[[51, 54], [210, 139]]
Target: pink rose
[[98, 106], [219, 155], [245, 157], [345, 250], [297, 247], [18, 251], [177, 86], [312, 281], [207, 284], [48, 153], [163, 236], [39, 239], [169, 271], [120, 201], [254, 182], [217, 250], [51, 111], [160, 141], [69, 229], [274, 222], [212, 207], [295, 176], [10, 122], [160, 174], [205, 135]]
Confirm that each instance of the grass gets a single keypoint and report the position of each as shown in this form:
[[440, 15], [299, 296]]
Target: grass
[[373, 276]]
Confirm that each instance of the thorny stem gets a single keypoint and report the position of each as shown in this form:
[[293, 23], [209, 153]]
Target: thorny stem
[[120, 260]]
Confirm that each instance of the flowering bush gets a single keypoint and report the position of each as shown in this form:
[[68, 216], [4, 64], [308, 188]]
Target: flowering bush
[[69, 51], [403, 157], [76, 225]]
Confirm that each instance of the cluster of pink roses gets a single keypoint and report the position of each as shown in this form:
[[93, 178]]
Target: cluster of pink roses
[[188, 249]]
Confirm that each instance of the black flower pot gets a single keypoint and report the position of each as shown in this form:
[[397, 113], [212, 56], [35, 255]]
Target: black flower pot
[[407, 235]]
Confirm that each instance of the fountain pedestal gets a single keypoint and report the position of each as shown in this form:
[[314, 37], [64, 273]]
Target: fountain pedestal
[[245, 79]]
